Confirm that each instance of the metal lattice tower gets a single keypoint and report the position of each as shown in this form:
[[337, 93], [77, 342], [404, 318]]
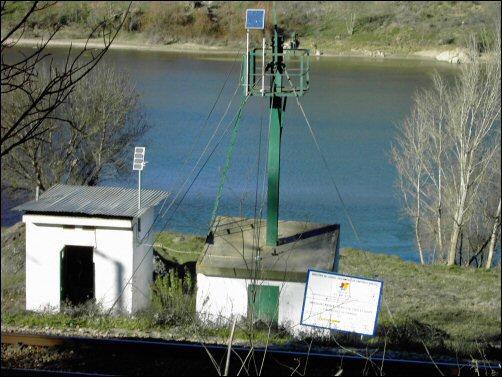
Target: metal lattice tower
[[273, 65]]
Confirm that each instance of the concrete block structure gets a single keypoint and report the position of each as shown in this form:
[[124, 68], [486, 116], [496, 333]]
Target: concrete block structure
[[238, 275], [89, 243]]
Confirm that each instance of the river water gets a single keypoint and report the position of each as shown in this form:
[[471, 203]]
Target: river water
[[355, 107]]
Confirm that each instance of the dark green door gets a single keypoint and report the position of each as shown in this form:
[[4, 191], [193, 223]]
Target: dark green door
[[263, 303], [77, 274]]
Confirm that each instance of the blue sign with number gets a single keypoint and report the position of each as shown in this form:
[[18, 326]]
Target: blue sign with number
[[255, 19]]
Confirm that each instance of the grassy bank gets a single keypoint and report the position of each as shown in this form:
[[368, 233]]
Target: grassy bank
[[390, 27], [454, 311]]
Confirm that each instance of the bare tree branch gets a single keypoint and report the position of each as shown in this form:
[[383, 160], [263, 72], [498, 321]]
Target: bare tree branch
[[23, 76]]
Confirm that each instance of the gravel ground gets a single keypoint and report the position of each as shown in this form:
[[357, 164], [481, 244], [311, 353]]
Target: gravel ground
[[98, 361], [85, 358]]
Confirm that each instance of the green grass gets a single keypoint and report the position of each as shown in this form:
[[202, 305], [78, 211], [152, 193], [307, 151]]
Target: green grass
[[452, 310], [178, 248], [142, 325], [463, 304], [390, 26]]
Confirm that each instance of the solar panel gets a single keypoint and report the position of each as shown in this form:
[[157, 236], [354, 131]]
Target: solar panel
[[255, 19], [139, 158]]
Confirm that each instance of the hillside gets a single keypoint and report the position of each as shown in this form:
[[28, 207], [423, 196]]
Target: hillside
[[368, 28]]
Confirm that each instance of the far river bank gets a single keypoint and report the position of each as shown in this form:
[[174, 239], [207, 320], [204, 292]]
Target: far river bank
[[450, 56]]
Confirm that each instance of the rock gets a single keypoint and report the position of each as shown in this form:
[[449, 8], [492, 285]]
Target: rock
[[453, 56], [429, 54]]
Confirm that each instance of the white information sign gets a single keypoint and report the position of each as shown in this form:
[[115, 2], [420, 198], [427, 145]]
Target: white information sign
[[340, 302]]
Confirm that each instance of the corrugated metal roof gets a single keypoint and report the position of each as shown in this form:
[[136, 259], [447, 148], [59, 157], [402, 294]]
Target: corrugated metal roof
[[94, 200]]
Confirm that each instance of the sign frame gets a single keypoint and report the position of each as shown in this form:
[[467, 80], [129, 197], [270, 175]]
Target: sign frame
[[248, 11], [348, 276]]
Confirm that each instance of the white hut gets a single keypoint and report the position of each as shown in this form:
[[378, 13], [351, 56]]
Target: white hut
[[89, 243]]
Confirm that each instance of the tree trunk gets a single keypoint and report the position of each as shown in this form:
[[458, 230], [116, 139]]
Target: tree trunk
[[440, 188], [419, 243], [493, 239], [452, 252], [460, 249], [440, 233], [417, 224], [457, 222]]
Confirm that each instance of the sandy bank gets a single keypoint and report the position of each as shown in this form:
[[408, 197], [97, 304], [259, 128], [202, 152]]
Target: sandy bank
[[431, 55]]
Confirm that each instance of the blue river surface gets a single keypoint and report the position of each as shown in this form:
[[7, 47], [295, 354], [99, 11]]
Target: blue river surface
[[355, 107]]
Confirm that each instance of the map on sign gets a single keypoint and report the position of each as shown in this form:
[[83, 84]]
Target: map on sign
[[139, 158], [339, 302], [255, 19]]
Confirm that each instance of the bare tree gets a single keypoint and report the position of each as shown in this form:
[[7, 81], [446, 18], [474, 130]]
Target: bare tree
[[19, 75], [472, 110], [444, 156], [413, 144], [419, 156], [438, 144], [86, 140], [350, 23]]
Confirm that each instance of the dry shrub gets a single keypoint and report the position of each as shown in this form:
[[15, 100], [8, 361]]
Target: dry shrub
[[203, 26], [167, 21]]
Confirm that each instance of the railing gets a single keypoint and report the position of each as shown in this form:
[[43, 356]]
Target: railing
[[259, 76]]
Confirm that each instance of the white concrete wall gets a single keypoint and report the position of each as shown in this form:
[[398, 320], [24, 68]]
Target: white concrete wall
[[113, 266], [112, 241], [290, 304], [221, 298], [143, 262]]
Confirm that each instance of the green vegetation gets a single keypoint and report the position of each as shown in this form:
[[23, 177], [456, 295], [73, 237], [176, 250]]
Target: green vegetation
[[178, 248], [173, 298], [387, 26], [452, 310], [13, 271]]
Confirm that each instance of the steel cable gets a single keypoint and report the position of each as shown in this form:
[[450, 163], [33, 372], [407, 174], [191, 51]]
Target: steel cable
[[358, 239]]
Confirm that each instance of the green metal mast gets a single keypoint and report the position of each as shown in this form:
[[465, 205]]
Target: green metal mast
[[278, 96], [277, 108]]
